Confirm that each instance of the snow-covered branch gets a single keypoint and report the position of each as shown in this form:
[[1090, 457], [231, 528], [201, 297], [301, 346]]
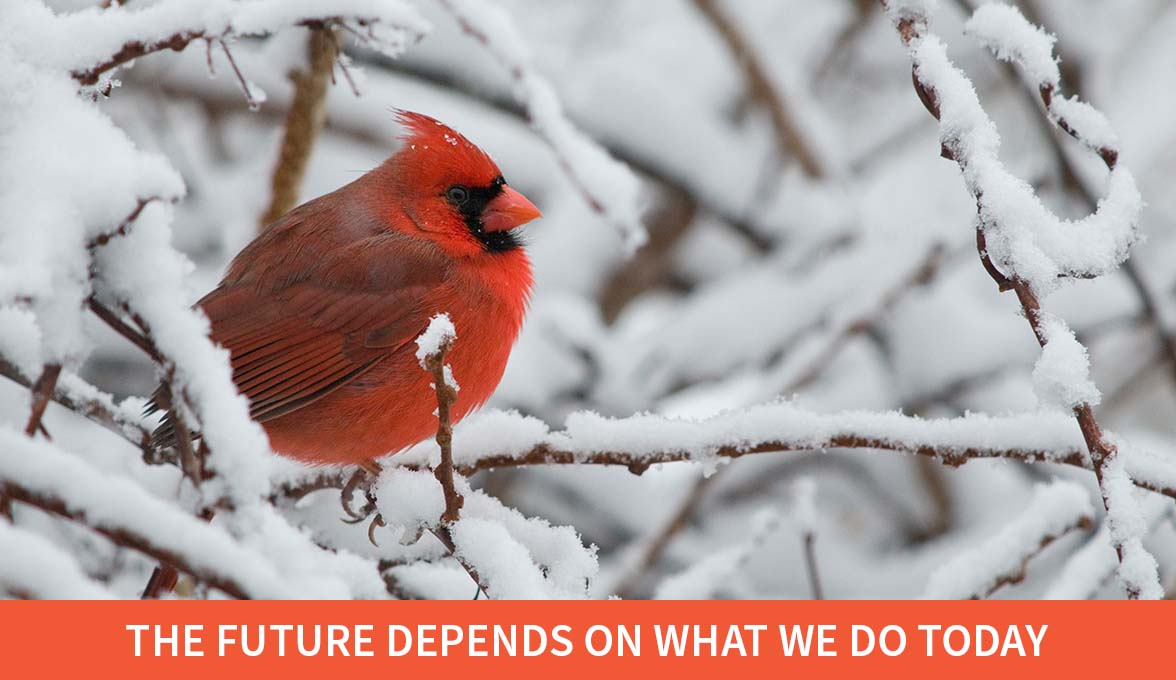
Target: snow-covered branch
[[130, 33], [1023, 245], [977, 572], [41, 475]]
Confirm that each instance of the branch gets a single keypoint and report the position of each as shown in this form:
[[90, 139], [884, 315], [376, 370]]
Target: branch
[[304, 120], [127, 538], [789, 140], [432, 347], [1044, 92], [43, 391], [626, 588], [90, 408], [386, 26], [967, 141]]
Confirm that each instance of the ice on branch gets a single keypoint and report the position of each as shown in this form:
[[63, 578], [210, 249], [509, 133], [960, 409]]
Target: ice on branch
[[608, 186], [1056, 509], [1061, 377]]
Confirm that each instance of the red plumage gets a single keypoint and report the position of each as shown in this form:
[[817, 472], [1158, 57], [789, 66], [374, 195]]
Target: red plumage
[[321, 311]]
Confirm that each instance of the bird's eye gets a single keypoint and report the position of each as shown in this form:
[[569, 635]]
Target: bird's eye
[[457, 194]]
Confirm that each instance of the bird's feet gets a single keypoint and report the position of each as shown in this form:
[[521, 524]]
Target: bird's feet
[[363, 480]]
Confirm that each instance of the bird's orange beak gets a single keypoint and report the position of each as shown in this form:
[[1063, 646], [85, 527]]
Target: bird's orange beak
[[508, 210]]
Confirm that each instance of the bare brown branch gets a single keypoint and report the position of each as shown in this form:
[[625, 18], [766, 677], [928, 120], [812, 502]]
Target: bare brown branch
[[43, 390], [790, 140], [304, 120]]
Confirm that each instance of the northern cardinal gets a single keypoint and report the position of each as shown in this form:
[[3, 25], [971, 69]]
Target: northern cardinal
[[321, 311]]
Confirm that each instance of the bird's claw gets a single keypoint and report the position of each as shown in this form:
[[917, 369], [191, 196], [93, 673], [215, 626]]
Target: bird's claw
[[377, 523], [363, 479]]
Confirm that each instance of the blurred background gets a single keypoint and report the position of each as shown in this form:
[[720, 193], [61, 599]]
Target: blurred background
[[806, 241]]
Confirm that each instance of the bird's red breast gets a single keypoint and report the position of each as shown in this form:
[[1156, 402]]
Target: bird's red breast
[[321, 311]]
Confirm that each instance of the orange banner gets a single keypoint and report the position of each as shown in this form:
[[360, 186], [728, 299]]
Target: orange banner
[[190, 639]]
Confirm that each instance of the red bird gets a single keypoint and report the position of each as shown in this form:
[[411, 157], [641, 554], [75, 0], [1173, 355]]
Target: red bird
[[321, 311]]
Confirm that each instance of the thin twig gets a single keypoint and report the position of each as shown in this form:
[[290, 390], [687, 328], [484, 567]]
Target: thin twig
[[43, 390], [789, 139], [121, 230], [249, 99], [810, 563], [446, 396], [91, 409], [628, 585], [124, 329], [1073, 183]]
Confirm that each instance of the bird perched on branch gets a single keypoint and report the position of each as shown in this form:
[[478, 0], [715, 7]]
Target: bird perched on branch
[[321, 311]]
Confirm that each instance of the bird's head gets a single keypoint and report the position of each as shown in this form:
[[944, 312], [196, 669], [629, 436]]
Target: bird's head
[[452, 192]]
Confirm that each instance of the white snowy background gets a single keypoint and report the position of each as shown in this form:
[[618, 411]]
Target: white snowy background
[[760, 252]]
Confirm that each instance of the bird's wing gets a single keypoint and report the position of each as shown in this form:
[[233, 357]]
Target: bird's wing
[[295, 338]]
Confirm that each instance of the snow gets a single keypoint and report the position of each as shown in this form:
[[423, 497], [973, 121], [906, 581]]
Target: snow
[[515, 557], [1023, 236], [1061, 377], [758, 284], [1088, 123], [1056, 508], [648, 436], [720, 571], [1126, 528], [1086, 571], [43, 571], [1004, 30], [118, 504], [439, 334], [78, 41]]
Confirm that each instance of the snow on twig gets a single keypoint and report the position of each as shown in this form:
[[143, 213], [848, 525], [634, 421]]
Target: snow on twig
[[1017, 232], [1092, 565], [609, 187], [975, 573]]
